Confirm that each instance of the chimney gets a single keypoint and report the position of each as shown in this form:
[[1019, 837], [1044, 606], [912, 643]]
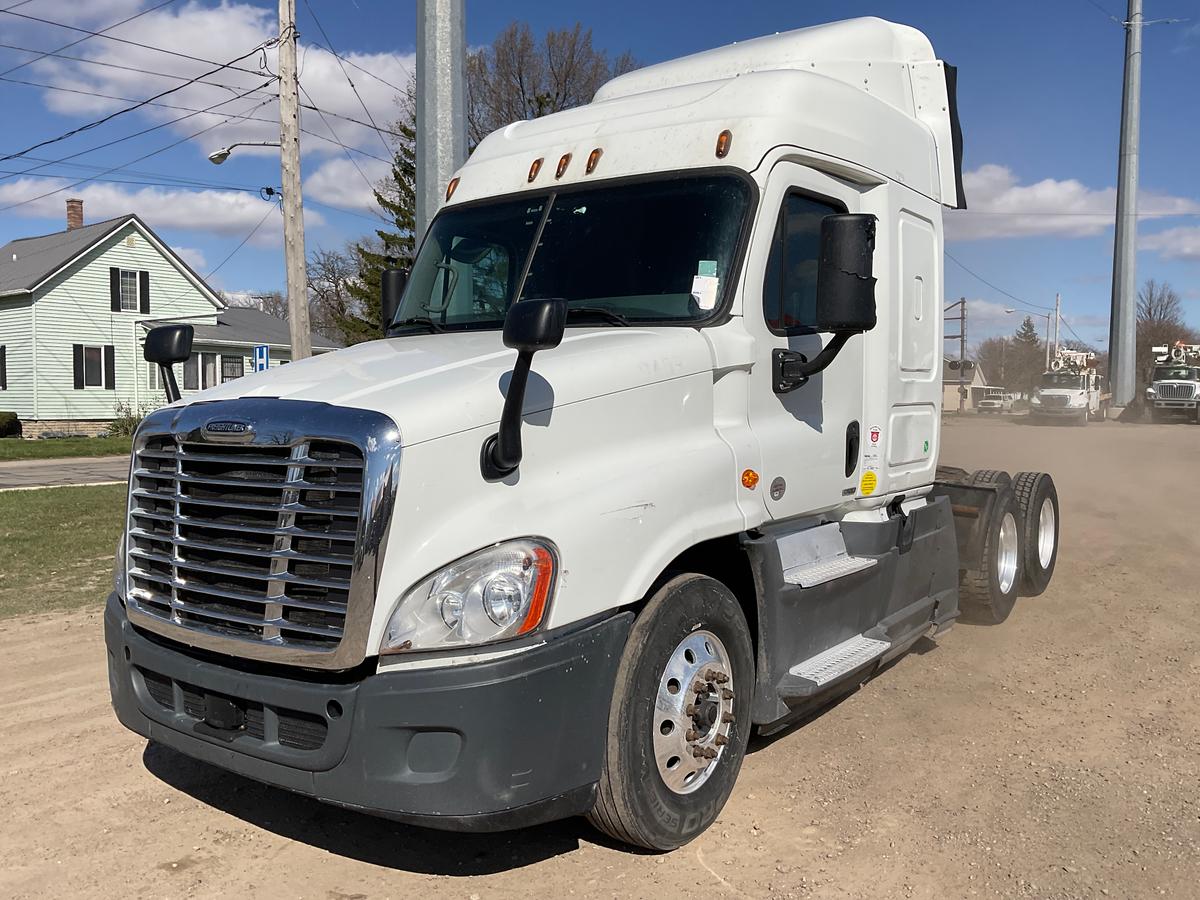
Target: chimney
[[74, 214]]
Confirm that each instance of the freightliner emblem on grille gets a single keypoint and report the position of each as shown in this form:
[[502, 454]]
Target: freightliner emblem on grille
[[229, 430]]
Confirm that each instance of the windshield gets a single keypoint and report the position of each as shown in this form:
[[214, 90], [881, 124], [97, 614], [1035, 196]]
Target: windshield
[[1176, 373], [654, 251], [1062, 380]]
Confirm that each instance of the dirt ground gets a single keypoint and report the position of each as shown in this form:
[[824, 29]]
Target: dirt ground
[[1053, 756]]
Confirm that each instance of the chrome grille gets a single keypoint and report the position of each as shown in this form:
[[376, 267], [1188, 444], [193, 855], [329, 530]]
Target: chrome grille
[[1175, 391], [1055, 399], [250, 542]]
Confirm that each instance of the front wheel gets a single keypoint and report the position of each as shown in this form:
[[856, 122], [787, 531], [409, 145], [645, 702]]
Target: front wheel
[[680, 716]]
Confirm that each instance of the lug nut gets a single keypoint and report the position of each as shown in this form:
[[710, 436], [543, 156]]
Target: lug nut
[[691, 709], [698, 752], [692, 734], [726, 694], [720, 740], [727, 717], [699, 687]]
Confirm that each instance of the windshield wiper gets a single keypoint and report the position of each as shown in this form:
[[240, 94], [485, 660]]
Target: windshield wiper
[[615, 317], [420, 320]]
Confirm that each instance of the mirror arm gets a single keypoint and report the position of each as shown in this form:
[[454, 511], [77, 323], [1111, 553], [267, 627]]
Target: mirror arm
[[501, 453], [792, 370], [170, 385]]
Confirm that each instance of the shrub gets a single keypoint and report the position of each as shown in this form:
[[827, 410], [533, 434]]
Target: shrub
[[126, 418], [10, 425]]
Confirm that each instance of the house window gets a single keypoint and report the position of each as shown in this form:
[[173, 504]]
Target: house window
[[790, 285], [232, 367], [152, 376], [129, 291], [200, 372], [95, 366], [3, 368]]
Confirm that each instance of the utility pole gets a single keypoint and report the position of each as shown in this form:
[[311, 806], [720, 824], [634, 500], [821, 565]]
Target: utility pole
[[1123, 321], [961, 337], [1057, 319], [293, 204], [441, 102]]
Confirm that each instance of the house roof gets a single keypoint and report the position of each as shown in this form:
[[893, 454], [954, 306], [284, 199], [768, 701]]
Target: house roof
[[246, 326], [26, 263]]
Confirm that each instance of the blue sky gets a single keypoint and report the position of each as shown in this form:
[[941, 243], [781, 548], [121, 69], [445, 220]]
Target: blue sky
[[1039, 95]]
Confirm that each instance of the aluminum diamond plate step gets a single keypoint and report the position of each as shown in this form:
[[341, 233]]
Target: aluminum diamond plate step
[[845, 657], [823, 570]]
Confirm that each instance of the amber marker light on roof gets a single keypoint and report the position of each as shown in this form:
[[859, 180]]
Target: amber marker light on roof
[[593, 158], [451, 188], [535, 168], [724, 139], [562, 165]]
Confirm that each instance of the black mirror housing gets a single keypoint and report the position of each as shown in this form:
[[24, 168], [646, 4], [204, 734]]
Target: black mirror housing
[[845, 283], [391, 289], [533, 325], [168, 344]]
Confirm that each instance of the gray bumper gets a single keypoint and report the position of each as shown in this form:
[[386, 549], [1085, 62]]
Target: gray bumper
[[483, 746], [1178, 405]]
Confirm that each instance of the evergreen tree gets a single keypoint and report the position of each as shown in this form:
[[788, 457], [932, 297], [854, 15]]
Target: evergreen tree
[[394, 244], [1028, 357]]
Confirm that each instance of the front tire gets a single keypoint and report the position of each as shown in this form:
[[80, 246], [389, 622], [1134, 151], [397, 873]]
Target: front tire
[[680, 716]]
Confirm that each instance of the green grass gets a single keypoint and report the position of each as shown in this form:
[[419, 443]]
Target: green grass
[[16, 448], [56, 547]]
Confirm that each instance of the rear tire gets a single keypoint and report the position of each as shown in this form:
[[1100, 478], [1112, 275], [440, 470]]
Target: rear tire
[[987, 593], [989, 476], [1037, 499], [634, 802]]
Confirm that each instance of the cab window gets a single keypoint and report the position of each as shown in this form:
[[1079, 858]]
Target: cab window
[[790, 285]]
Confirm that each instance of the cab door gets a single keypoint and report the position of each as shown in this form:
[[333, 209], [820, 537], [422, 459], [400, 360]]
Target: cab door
[[811, 438]]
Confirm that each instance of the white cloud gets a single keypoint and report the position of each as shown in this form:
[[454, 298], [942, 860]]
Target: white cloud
[[225, 213], [193, 257], [221, 33], [338, 183], [1000, 207], [1175, 243]]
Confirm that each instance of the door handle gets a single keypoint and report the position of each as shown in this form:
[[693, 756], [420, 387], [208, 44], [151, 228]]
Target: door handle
[[852, 440]]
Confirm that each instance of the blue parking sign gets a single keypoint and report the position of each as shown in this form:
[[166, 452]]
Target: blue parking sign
[[262, 357]]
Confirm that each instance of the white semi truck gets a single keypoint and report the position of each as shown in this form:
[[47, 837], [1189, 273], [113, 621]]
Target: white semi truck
[[647, 460], [1174, 389], [1070, 391]]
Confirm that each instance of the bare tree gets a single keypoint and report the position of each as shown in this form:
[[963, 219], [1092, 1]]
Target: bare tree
[[332, 275], [519, 77], [995, 356], [273, 303], [1160, 322]]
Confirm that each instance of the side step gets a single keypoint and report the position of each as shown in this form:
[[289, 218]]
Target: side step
[[818, 555], [847, 656]]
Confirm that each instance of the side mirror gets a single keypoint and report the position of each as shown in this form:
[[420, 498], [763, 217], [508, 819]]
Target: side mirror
[[166, 345], [529, 326], [391, 289], [845, 296], [845, 284]]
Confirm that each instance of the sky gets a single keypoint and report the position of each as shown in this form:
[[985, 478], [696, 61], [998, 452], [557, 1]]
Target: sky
[[1039, 100]]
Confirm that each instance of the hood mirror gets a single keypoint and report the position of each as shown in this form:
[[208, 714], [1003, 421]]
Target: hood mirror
[[166, 345]]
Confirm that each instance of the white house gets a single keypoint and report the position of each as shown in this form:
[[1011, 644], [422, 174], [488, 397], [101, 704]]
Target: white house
[[75, 307]]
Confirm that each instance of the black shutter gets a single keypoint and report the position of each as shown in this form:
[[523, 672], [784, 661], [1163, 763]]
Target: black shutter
[[3, 368], [114, 288], [110, 367], [78, 367], [144, 292]]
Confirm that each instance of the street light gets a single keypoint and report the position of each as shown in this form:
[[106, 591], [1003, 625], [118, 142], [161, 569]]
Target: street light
[[219, 156]]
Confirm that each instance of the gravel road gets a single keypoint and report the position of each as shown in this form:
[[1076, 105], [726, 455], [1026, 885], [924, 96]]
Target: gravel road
[[1053, 756]]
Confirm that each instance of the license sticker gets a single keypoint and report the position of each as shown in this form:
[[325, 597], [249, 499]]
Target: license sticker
[[704, 290]]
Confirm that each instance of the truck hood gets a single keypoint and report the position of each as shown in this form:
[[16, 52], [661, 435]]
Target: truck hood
[[437, 384]]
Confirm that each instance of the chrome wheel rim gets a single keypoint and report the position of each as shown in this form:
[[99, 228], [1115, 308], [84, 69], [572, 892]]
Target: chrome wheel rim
[[1006, 553], [693, 712], [1046, 533]]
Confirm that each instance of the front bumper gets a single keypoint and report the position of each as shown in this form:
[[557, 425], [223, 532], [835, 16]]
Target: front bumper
[[1060, 412], [1176, 405], [482, 746]]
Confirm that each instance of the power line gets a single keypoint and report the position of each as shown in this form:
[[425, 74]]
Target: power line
[[109, 171], [993, 287], [128, 109], [149, 129], [368, 72], [1106, 13], [82, 39], [242, 243], [353, 161], [349, 80]]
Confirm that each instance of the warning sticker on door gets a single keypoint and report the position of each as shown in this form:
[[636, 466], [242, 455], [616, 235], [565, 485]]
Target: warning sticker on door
[[868, 483], [872, 447]]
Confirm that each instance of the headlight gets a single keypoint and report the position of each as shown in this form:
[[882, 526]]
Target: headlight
[[493, 594], [1035, 400], [1151, 393]]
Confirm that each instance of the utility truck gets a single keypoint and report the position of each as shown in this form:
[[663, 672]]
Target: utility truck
[[1071, 390], [1174, 389], [647, 460]]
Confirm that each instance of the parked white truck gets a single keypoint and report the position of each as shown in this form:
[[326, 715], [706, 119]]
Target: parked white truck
[[1071, 391], [1174, 389], [648, 460]]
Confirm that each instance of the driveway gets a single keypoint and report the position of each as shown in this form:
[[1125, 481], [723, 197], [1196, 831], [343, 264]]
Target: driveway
[[33, 473]]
